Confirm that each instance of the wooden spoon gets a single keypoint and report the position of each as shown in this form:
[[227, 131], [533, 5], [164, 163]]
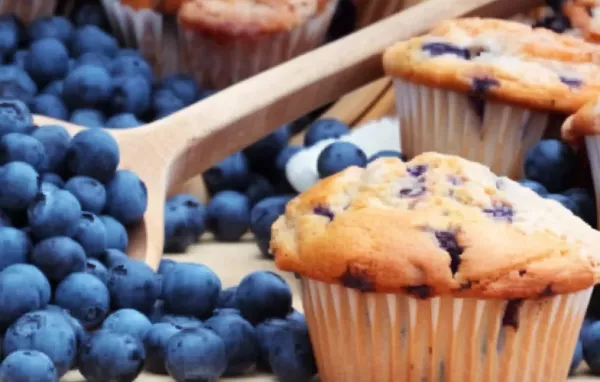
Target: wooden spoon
[[174, 149]]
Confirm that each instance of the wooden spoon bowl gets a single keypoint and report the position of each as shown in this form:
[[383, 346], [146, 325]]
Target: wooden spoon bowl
[[169, 151]]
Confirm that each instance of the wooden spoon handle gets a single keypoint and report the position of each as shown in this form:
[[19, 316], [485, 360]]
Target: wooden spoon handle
[[230, 120]]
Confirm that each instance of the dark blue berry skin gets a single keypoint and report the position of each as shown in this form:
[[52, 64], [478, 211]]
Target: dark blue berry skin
[[88, 118], [48, 187], [565, 201], [338, 156], [291, 354], [326, 128], [165, 102], [538, 188], [240, 342], [128, 321], [58, 257], [91, 13], [94, 58], [158, 311], [343, 22], [296, 316], [54, 213], [133, 284], [131, 94], [116, 235], [52, 178], [34, 277], [132, 66], [227, 299], [18, 59], [387, 154], [90, 38], [123, 121], [265, 332], [591, 346], [50, 106], [55, 140], [28, 365], [262, 295], [91, 234], [20, 185], [55, 88], [113, 257], [196, 212], [96, 268], [262, 217], [16, 84], [281, 163], [16, 147], [126, 197], [165, 266], [182, 322], [196, 355], [191, 289], [47, 60], [10, 34], [183, 87], [87, 86], [258, 189], [15, 246], [5, 219], [90, 193], [262, 154], [178, 232], [109, 356], [85, 297], [80, 334], [551, 163], [577, 357], [93, 153], [15, 116], [56, 27], [232, 173], [155, 343], [44, 331], [18, 296], [586, 205], [228, 215]]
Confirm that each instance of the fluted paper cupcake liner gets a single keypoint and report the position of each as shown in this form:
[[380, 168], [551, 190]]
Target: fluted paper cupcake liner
[[495, 134], [370, 11], [220, 64], [153, 34], [376, 337], [592, 144], [28, 10]]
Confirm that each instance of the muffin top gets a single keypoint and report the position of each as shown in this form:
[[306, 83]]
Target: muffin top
[[165, 6], [238, 18], [586, 121], [502, 60], [584, 16], [437, 225]]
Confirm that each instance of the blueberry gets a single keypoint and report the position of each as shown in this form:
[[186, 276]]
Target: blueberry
[[54, 213], [344, 20], [191, 289], [53, 178], [94, 58], [165, 102], [88, 118], [262, 154], [90, 38], [85, 297], [28, 365], [19, 58], [196, 211], [128, 321], [90, 193], [228, 215], [123, 121], [240, 342], [90, 13], [227, 298], [87, 86], [565, 201], [263, 295], [551, 163], [283, 158], [158, 311], [47, 60], [591, 346], [18, 296], [5, 220], [110, 356], [50, 106], [80, 334], [113, 257], [58, 257], [165, 266], [56, 27], [258, 189], [133, 284], [116, 235], [16, 147], [34, 277], [339, 156], [132, 66], [296, 316], [534, 186], [96, 268], [265, 332], [232, 173], [55, 140], [93, 153], [196, 355], [577, 357], [155, 343], [15, 84], [10, 34], [126, 197], [128, 52], [387, 154], [20, 185], [48, 187], [54, 88], [178, 232], [15, 116], [182, 322], [326, 128], [131, 94], [262, 217], [183, 86], [91, 234], [586, 205], [47, 332], [291, 354]]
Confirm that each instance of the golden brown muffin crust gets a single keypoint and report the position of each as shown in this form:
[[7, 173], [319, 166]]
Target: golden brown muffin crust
[[586, 121], [436, 225], [584, 15], [501, 60], [165, 6]]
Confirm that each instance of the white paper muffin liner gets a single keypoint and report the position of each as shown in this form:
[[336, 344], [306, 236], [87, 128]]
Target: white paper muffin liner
[[592, 144], [446, 121], [28, 10], [376, 337], [153, 34], [370, 11], [218, 65]]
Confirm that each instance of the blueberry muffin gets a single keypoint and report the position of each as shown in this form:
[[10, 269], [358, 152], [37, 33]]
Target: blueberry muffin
[[229, 40], [584, 15], [484, 88], [370, 11], [437, 270]]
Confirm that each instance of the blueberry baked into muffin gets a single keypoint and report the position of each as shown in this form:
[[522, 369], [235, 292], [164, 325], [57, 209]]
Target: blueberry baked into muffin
[[484, 88], [437, 270]]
